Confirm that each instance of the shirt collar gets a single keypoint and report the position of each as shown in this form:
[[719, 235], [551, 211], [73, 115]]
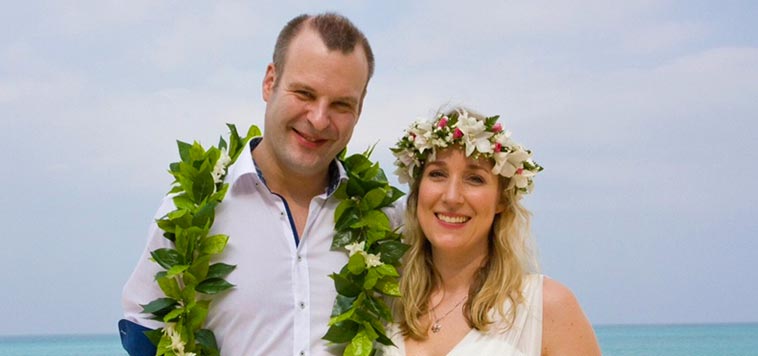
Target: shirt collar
[[245, 167]]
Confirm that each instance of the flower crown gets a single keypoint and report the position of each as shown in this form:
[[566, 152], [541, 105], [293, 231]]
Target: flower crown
[[482, 137]]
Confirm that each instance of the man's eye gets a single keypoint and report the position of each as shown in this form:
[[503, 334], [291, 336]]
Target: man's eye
[[304, 94]]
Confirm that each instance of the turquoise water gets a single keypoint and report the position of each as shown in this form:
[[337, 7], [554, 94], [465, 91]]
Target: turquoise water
[[622, 340], [679, 340]]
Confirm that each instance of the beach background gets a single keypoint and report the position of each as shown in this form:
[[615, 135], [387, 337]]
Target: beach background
[[643, 114]]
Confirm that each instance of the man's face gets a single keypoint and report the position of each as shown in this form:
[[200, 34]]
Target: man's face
[[313, 104]]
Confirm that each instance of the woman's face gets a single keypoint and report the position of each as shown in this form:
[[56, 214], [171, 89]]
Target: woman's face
[[457, 201]]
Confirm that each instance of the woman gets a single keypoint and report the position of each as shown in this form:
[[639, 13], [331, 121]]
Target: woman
[[468, 284]]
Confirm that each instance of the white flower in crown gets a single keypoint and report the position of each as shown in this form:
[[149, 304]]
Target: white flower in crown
[[474, 134], [421, 134]]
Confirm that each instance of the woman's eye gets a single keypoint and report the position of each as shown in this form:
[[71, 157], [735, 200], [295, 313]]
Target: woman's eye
[[477, 179], [436, 174]]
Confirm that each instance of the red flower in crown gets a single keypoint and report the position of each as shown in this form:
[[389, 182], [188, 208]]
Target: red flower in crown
[[457, 133], [443, 122], [497, 128]]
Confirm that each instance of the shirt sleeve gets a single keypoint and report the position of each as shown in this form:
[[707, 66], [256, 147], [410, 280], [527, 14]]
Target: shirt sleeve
[[134, 340], [141, 287]]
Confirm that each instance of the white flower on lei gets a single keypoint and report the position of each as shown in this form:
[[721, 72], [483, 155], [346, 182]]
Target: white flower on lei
[[373, 260], [177, 344], [475, 134], [355, 247], [220, 168]]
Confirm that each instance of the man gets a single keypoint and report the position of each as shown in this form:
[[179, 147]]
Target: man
[[279, 209]]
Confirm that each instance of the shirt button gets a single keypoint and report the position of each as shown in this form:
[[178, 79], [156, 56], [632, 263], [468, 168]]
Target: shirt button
[[302, 353], [302, 305], [299, 258]]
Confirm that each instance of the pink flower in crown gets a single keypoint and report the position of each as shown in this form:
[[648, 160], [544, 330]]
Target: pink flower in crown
[[497, 128], [519, 171], [443, 122], [498, 147], [457, 133]]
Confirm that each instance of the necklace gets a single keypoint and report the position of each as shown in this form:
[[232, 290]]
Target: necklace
[[436, 326]]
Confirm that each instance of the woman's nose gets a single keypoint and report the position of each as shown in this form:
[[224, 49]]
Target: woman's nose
[[453, 194]]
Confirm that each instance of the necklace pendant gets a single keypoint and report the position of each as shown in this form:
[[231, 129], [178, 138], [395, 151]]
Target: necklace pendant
[[436, 328]]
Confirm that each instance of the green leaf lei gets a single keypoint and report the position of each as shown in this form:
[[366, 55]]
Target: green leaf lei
[[189, 281], [375, 249]]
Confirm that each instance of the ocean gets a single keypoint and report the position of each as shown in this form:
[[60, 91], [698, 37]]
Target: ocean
[[621, 340]]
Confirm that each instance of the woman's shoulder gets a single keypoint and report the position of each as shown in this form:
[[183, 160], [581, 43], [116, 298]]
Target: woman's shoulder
[[565, 327], [556, 296]]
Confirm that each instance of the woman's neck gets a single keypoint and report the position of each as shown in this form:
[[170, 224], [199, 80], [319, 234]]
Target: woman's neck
[[456, 272]]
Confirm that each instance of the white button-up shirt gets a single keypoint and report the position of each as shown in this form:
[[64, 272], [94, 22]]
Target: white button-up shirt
[[283, 297]]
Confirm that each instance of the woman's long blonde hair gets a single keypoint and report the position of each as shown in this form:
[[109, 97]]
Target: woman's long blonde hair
[[510, 257]]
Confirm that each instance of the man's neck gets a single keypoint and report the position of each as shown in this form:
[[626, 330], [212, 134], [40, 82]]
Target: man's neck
[[294, 186]]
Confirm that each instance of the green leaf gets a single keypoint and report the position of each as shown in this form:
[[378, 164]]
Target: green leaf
[[371, 278], [184, 150], [354, 188], [374, 219], [166, 257], [392, 197], [206, 339], [173, 314], [341, 332], [392, 251], [386, 270], [154, 335], [357, 163], [348, 219], [160, 306], [342, 207], [220, 270], [203, 185], [213, 244], [342, 304], [378, 307], [356, 264], [205, 214], [253, 131], [181, 201], [344, 286], [200, 266], [343, 238], [373, 199], [197, 314], [361, 345], [176, 269], [213, 286], [169, 286], [341, 192], [388, 286], [166, 225]]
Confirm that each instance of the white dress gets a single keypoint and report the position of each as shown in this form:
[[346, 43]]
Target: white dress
[[523, 338]]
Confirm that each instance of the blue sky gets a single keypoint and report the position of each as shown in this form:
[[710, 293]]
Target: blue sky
[[642, 112]]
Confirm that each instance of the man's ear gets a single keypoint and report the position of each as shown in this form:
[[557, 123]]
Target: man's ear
[[269, 80]]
